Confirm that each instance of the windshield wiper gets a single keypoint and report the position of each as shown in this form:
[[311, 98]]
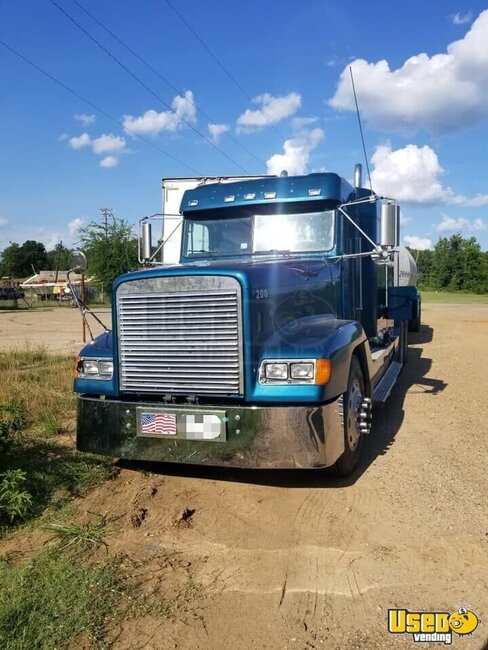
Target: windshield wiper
[[211, 254], [273, 251]]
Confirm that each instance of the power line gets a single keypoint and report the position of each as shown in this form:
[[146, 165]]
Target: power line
[[223, 67], [144, 85], [164, 79], [95, 107]]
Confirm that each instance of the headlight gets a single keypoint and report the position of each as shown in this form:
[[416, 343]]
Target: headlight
[[276, 370], [106, 368], [94, 368], [302, 370], [295, 371]]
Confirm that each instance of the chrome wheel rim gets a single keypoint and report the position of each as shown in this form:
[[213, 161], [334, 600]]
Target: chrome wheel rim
[[354, 402]]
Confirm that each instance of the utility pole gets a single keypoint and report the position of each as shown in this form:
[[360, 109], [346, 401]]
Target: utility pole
[[60, 248], [107, 213]]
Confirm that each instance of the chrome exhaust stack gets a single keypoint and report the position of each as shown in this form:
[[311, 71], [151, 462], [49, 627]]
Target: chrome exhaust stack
[[358, 175]]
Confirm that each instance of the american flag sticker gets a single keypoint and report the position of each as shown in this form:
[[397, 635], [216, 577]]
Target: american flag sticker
[[158, 424]]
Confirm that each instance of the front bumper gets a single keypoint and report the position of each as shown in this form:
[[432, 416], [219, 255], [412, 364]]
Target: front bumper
[[255, 437]]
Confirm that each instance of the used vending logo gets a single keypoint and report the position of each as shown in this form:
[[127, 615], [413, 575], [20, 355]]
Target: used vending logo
[[432, 627]]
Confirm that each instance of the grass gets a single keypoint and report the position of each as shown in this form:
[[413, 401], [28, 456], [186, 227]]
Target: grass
[[54, 598], [454, 297], [83, 536], [61, 597], [53, 475], [36, 405], [39, 382], [52, 424]]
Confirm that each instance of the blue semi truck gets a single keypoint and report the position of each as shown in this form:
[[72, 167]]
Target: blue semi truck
[[267, 345]]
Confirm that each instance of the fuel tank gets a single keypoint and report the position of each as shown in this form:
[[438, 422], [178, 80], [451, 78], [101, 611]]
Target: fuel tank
[[405, 270]]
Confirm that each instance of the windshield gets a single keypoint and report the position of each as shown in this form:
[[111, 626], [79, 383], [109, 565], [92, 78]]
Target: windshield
[[305, 232]]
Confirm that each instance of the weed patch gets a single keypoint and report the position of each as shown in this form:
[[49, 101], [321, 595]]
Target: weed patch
[[83, 536], [53, 475], [15, 501], [13, 418], [52, 425], [36, 471]]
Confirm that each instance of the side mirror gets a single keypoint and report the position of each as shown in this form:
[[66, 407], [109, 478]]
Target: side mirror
[[389, 225], [146, 241], [77, 262]]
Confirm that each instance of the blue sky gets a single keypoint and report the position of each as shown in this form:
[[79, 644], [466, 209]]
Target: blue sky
[[421, 73]]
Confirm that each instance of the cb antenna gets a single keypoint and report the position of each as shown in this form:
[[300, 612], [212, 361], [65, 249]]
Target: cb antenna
[[361, 129]]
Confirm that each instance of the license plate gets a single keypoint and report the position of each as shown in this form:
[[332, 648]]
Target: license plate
[[194, 424]]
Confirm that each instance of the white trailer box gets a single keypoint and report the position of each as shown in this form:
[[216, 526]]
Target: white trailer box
[[173, 190]]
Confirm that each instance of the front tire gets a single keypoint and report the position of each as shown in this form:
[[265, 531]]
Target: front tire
[[352, 405]]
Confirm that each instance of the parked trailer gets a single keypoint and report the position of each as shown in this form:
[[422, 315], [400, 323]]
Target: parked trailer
[[173, 190], [268, 343]]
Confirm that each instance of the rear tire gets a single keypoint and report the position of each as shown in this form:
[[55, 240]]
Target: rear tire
[[414, 324], [352, 404]]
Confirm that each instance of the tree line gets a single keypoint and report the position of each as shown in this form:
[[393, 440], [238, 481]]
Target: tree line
[[111, 250], [455, 264]]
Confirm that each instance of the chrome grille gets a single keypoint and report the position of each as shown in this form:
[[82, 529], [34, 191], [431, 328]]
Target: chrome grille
[[175, 341]]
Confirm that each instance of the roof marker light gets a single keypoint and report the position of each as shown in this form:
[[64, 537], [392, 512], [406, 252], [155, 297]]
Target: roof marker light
[[192, 203], [270, 195], [229, 198], [250, 196], [314, 192]]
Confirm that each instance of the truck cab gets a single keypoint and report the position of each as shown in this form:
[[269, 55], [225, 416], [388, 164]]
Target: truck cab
[[266, 345]]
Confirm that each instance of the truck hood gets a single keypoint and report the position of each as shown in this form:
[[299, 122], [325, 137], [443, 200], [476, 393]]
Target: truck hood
[[281, 298]]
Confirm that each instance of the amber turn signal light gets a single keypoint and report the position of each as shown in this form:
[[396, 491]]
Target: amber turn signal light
[[323, 371]]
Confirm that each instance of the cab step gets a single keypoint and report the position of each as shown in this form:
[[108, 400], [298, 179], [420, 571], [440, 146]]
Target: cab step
[[382, 391]]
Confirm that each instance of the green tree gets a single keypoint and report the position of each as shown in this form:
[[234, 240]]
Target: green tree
[[110, 251], [458, 264], [423, 258], [10, 260], [442, 265], [58, 259], [20, 261]]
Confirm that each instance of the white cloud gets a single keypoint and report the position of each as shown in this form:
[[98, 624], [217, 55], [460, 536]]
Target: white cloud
[[50, 241], [302, 122], [3, 222], [80, 141], [153, 123], [296, 153], [404, 220], [441, 93], [419, 243], [462, 19], [449, 224], [108, 145], [74, 226], [476, 201], [217, 130], [272, 111], [109, 161], [411, 174], [85, 119]]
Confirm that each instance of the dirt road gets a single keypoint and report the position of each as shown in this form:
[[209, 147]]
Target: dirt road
[[58, 329], [303, 560]]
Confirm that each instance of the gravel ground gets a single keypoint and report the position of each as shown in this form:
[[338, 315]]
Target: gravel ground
[[58, 329]]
